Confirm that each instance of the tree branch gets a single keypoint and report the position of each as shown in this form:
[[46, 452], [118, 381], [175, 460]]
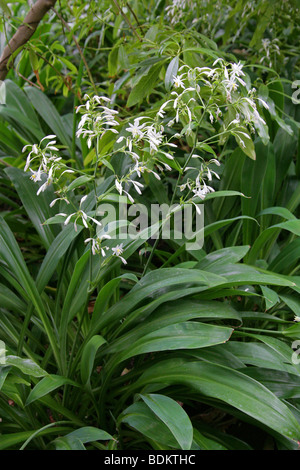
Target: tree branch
[[24, 33]]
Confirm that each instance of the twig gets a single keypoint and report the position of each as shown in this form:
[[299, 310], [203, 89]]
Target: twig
[[27, 80], [127, 20], [24, 33], [78, 47], [135, 17]]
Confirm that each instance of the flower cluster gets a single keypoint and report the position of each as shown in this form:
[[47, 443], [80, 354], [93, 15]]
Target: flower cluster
[[79, 215], [219, 93], [269, 49], [228, 91], [96, 244], [178, 9], [49, 164], [97, 119], [148, 146], [198, 187]]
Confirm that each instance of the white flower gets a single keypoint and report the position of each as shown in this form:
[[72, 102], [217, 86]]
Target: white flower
[[135, 129], [201, 190], [59, 199], [38, 151], [265, 105], [154, 138], [36, 175], [96, 245], [197, 208], [80, 215], [161, 112], [49, 180], [178, 83], [96, 120], [137, 186], [141, 168], [237, 69], [117, 251], [119, 186], [121, 190]]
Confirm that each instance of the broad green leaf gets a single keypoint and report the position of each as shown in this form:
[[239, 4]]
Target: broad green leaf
[[221, 193], [149, 319], [245, 142], [173, 416], [3, 374], [90, 434], [49, 113], [292, 332], [68, 443], [283, 384], [140, 417], [153, 285], [47, 385], [226, 385], [27, 366], [201, 442], [88, 357], [37, 207], [242, 274], [11, 254], [145, 85], [215, 438], [54, 254], [257, 354], [223, 256], [280, 211], [9, 441], [271, 297], [80, 181], [188, 335]]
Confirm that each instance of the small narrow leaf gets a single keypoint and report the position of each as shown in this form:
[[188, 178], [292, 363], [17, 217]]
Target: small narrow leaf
[[171, 72], [88, 357], [47, 385]]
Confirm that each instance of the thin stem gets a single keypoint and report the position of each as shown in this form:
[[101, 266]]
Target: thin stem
[[95, 193], [41, 430], [174, 192], [127, 20], [79, 49], [135, 17]]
